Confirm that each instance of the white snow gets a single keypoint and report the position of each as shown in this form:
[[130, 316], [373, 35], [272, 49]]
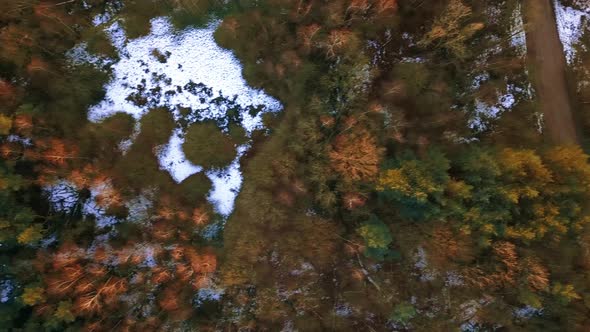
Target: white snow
[[140, 206], [527, 312], [192, 55], [65, 197], [62, 195], [6, 289], [423, 270], [208, 294], [21, 140], [173, 160], [570, 23], [518, 32], [226, 184], [484, 112]]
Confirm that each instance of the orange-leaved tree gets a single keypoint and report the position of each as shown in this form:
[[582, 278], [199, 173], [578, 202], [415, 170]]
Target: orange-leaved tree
[[356, 156]]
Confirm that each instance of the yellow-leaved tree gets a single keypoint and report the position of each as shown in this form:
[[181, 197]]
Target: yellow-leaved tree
[[5, 124], [33, 295], [451, 30], [31, 234]]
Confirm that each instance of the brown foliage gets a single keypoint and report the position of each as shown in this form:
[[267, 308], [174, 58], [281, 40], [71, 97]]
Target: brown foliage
[[302, 9], [10, 150], [231, 26], [353, 201], [73, 271], [81, 178], [306, 34], [101, 254], [204, 263], [327, 121], [52, 19], [201, 281], [7, 92], [161, 276], [96, 270], [177, 253], [84, 286], [88, 304], [37, 65], [109, 196], [124, 255], [445, 246], [200, 216], [68, 254], [356, 156], [113, 287], [506, 253], [14, 40], [93, 326], [169, 300], [184, 272], [386, 7], [337, 41], [43, 309], [163, 230], [166, 213], [510, 270], [56, 151], [298, 187], [536, 274], [358, 6], [285, 198]]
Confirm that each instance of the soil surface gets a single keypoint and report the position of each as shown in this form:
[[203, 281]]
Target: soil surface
[[547, 62]]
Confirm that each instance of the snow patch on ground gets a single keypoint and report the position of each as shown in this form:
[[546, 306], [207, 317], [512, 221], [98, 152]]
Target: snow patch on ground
[[65, 198], [423, 270], [172, 58], [527, 312], [208, 295], [570, 23], [518, 32], [226, 184], [484, 113], [6, 290], [173, 160], [193, 55]]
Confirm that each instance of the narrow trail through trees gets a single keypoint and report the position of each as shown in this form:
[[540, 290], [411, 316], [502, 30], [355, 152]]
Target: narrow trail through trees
[[547, 61]]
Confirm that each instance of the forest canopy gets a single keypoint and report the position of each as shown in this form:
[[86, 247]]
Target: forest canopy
[[377, 165]]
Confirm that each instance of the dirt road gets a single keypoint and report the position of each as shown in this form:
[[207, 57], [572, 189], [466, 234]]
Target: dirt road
[[547, 63]]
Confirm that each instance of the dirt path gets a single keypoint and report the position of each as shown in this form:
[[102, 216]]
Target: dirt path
[[547, 62]]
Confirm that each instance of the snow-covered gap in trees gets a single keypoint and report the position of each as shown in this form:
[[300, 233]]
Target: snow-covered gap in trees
[[64, 197], [518, 32], [484, 112], [226, 184], [570, 26], [173, 160], [192, 55], [179, 58], [205, 295]]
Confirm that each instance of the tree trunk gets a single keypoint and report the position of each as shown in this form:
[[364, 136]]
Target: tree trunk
[[547, 65]]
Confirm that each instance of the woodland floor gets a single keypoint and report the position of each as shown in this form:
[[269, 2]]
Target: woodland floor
[[548, 68]]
